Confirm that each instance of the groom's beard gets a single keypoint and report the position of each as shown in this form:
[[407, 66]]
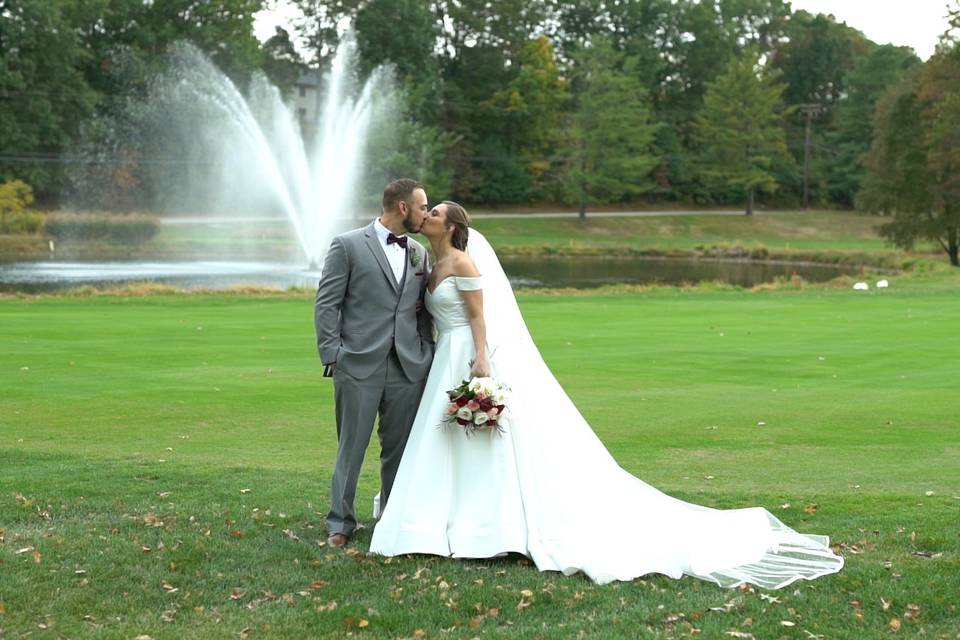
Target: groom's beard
[[409, 226]]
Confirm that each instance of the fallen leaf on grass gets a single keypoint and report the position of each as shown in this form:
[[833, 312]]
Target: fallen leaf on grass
[[739, 634], [885, 604], [23, 550], [330, 606], [290, 534], [353, 553], [419, 633], [810, 508], [787, 623], [245, 490], [894, 624], [318, 584], [350, 621], [152, 520], [169, 588], [926, 554], [526, 599], [3, 608], [37, 556], [236, 594]]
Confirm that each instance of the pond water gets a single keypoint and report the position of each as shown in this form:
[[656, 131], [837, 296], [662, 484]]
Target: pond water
[[580, 272], [584, 272]]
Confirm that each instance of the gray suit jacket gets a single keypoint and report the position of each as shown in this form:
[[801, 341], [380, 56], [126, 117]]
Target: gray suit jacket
[[361, 312]]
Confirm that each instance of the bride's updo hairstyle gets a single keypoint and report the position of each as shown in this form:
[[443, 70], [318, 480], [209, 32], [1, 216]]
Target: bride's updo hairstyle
[[460, 219]]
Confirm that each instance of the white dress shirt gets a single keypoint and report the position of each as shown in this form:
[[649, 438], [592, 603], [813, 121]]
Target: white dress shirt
[[396, 255]]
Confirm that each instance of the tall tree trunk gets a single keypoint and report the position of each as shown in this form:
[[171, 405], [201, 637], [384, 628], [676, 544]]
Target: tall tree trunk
[[750, 202], [952, 245]]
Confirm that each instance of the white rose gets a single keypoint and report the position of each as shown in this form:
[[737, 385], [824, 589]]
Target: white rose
[[464, 414], [481, 418]]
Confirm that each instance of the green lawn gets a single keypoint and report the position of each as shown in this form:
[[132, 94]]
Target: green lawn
[[164, 464]]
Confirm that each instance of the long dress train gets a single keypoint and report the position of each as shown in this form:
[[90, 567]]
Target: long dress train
[[548, 488]]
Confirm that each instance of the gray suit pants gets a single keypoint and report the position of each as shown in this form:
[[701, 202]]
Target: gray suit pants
[[389, 394]]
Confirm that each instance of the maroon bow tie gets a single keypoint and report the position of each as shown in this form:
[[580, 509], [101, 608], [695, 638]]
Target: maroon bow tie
[[400, 240]]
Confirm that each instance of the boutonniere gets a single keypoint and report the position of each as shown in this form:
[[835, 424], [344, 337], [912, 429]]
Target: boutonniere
[[414, 258]]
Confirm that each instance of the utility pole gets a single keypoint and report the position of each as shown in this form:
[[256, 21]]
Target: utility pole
[[809, 110]]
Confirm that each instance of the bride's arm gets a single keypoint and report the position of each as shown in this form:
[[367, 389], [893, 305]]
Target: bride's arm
[[473, 300]]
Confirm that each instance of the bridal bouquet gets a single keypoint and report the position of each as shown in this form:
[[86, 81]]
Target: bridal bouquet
[[477, 404]]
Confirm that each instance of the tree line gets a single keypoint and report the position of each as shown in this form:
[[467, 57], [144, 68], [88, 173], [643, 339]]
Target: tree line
[[580, 102]]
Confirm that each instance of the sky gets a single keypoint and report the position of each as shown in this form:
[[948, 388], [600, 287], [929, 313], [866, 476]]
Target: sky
[[914, 23]]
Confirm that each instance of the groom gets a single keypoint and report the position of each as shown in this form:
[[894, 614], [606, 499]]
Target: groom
[[375, 340]]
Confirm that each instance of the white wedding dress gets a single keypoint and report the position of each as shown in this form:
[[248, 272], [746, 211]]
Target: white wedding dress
[[547, 487]]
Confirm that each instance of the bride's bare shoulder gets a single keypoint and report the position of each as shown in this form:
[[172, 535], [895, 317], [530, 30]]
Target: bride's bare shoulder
[[464, 266]]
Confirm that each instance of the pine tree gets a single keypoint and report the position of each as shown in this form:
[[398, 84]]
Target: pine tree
[[610, 143], [740, 128]]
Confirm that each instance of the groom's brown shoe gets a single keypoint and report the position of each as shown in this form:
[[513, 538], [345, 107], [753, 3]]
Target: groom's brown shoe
[[338, 540]]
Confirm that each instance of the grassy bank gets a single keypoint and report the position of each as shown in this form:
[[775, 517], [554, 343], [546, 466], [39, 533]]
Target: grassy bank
[[822, 236], [164, 463]]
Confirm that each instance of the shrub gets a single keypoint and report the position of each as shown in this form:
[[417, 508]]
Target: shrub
[[15, 218], [125, 229]]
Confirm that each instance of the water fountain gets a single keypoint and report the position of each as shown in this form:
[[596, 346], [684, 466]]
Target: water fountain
[[258, 142], [222, 152]]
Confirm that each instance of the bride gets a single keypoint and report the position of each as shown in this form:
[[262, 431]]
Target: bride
[[547, 487]]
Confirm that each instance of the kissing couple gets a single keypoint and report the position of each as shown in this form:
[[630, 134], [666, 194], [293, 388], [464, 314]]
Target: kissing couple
[[397, 329]]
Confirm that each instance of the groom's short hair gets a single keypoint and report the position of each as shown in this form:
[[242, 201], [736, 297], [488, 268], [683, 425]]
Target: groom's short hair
[[398, 190]]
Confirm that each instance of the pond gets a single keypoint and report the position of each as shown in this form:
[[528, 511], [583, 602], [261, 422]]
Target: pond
[[584, 272], [580, 272]]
